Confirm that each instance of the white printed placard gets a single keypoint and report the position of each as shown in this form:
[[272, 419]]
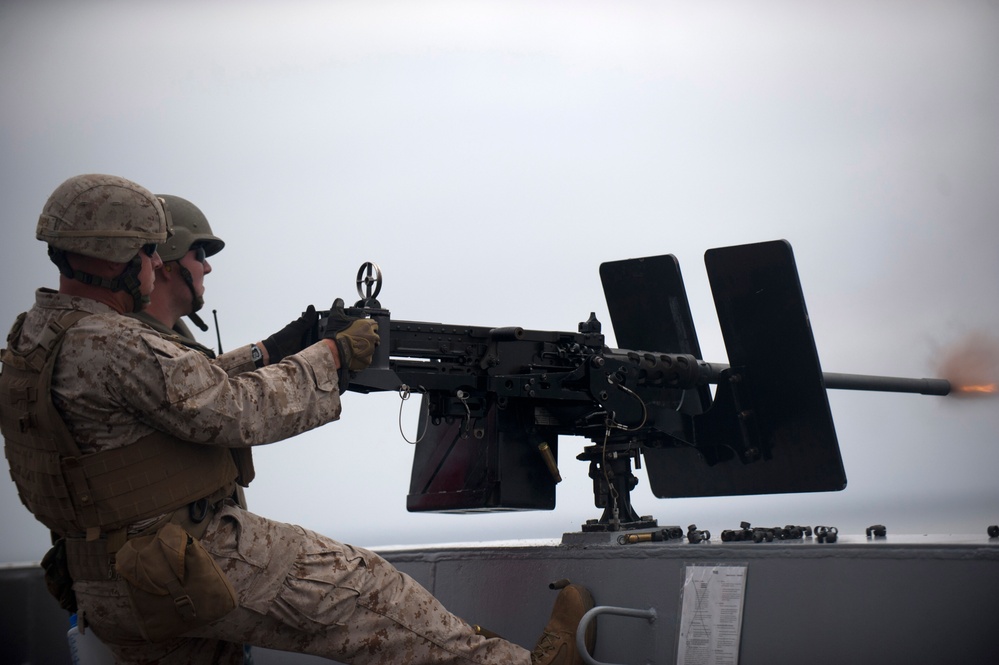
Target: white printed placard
[[711, 615]]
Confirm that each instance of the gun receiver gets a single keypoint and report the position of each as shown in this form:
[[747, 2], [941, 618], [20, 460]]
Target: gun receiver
[[496, 400]]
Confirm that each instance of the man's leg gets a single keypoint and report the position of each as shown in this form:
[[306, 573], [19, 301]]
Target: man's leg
[[301, 591]]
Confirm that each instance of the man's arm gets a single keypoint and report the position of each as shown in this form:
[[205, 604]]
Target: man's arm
[[187, 395], [241, 359]]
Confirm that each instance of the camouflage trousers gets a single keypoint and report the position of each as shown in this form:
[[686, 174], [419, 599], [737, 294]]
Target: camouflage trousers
[[300, 591]]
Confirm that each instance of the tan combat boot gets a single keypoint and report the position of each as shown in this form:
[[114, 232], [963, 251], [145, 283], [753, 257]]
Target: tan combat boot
[[557, 645]]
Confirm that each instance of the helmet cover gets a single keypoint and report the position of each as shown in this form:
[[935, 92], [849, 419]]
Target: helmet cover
[[102, 216]]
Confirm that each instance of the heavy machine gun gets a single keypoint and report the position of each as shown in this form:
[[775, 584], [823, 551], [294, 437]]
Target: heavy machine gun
[[496, 400]]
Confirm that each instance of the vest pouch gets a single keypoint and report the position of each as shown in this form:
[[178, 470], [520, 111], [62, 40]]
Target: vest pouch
[[57, 578], [173, 583]]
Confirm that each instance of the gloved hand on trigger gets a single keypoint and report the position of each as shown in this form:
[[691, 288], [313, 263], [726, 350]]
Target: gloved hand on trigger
[[294, 337], [356, 338]]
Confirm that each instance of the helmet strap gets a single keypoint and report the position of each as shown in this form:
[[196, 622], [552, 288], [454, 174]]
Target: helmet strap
[[197, 302], [130, 282], [127, 281], [58, 257]]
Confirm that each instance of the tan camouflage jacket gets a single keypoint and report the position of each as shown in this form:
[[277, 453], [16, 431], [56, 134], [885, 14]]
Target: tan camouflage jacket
[[234, 362], [117, 380]]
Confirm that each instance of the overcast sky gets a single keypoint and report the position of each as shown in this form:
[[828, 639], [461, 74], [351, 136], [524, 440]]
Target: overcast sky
[[490, 155]]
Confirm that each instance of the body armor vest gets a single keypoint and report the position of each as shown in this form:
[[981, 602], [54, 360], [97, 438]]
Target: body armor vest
[[94, 493]]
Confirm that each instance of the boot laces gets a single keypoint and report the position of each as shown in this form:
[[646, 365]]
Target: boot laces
[[549, 642]]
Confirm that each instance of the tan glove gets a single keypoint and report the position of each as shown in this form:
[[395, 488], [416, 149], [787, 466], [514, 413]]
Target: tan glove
[[357, 344], [356, 338]]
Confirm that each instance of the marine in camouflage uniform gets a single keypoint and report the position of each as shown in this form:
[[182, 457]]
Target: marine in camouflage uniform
[[180, 291], [122, 390]]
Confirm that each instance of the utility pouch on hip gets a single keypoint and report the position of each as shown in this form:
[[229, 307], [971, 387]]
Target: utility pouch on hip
[[57, 577], [174, 584]]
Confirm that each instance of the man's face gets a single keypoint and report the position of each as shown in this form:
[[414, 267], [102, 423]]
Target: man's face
[[151, 262], [197, 264]]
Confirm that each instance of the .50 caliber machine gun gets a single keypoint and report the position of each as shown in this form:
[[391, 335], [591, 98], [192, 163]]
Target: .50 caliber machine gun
[[495, 400]]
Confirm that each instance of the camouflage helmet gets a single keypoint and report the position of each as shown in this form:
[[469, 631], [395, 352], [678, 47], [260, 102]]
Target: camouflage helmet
[[102, 216], [190, 227]]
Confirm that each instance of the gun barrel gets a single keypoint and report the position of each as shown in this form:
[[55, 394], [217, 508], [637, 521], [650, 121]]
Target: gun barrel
[[889, 384], [837, 381]]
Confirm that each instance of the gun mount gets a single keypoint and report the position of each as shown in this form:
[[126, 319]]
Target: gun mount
[[496, 400]]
